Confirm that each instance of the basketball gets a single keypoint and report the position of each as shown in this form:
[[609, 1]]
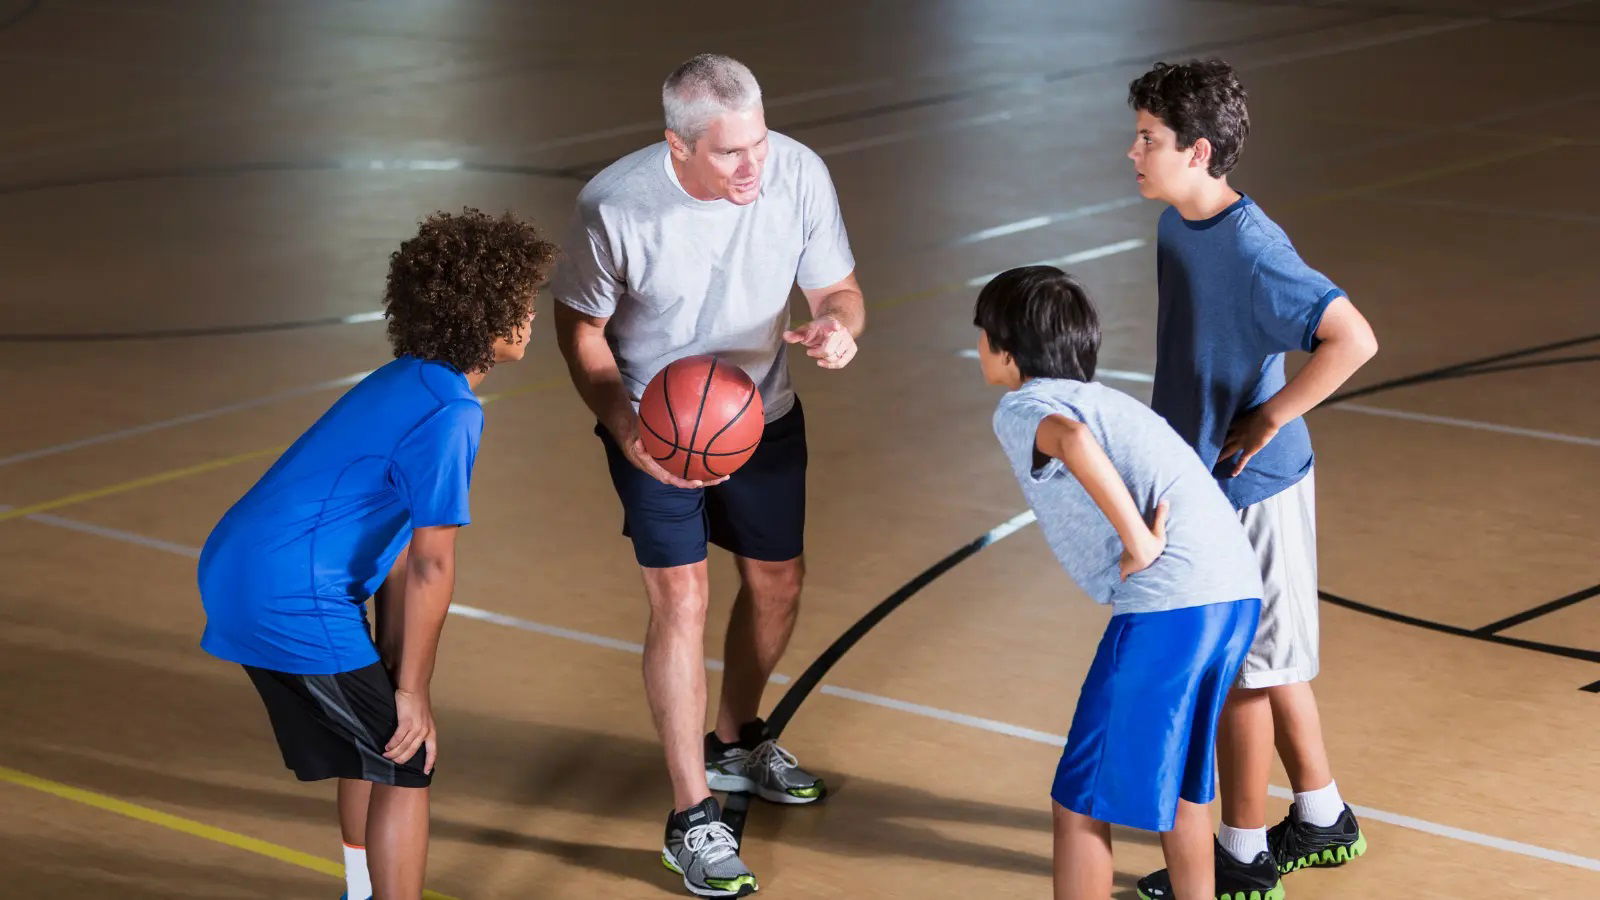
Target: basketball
[[701, 418]]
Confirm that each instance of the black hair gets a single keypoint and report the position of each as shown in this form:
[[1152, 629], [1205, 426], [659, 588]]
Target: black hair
[[1044, 319]]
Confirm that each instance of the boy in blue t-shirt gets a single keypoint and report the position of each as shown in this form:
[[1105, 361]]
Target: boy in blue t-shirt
[[1096, 466], [1235, 296], [366, 504]]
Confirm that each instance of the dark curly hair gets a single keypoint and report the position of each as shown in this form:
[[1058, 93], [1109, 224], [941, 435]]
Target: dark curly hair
[[1197, 99], [463, 281]]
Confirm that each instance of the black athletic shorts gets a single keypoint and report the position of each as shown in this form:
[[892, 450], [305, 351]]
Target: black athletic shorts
[[759, 513], [335, 726]]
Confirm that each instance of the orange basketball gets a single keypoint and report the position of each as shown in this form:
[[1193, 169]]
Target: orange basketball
[[700, 418]]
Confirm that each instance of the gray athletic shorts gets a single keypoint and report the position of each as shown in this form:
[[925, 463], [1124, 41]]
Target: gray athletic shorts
[[1283, 529]]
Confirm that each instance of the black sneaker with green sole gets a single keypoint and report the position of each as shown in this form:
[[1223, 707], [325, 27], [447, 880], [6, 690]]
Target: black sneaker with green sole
[[1297, 844], [1255, 880]]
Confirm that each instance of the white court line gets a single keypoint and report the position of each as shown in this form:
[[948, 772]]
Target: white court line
[[184, 419], [1103, 374], [1043, 221], [1146, 378], [1467, 423], [1072, 259], [993, 726], [115, 534], [1082, 256]]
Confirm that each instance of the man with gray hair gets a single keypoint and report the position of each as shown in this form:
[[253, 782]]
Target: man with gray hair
[[692, 246]]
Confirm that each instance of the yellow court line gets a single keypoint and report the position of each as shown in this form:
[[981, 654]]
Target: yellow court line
[[123, 487], [1455, 168], [134, 484], [186, 826]]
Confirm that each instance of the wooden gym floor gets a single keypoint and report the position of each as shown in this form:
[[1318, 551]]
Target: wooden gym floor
[[196, 204]]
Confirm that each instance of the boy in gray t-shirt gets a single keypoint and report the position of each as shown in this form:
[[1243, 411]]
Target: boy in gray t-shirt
[[1139, 524]]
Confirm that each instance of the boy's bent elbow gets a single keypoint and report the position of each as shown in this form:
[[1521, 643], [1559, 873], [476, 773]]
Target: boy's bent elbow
[[1368, 345]]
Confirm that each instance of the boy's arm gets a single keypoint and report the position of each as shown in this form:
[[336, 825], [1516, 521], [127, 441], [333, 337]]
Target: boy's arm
[[386, 606], [1345, 343], [1073, 444], [426, 586]]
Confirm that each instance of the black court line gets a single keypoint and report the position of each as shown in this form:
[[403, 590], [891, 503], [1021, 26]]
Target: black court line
[[1458, 369], [27, 10], [1476, 634], [737, 807], [384, 166], [589, 169], [1433, 12], [1537, 611], [210, 331]]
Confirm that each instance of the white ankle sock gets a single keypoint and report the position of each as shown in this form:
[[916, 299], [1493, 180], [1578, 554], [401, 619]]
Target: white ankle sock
[[1242, 844], [357, 883], [1320, 807]]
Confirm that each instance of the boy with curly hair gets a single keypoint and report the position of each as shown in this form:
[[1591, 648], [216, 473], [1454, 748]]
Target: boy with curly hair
[[366, 504], [1235, 296]]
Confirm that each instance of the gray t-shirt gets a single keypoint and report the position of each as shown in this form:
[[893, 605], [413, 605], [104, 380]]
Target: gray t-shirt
[[1208, 559], [679, 277]]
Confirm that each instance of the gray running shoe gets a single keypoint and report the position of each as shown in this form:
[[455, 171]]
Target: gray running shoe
[[757, 765], [701, 848]]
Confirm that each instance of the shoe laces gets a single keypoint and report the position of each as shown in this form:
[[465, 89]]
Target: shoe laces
[[713, 842], [774, 758]]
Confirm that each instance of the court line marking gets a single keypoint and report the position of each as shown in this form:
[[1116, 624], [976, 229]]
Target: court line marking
[[1092, 253], [1483, 209], [1413, 33], [1072, 259], [183, 825], [132, 484], [644, 127], [18, 512], [1362, 408], [1042, 79], [985, 234], [1468, 423], [186, 419], [994, 726], [1043, 220], [1378, 815]]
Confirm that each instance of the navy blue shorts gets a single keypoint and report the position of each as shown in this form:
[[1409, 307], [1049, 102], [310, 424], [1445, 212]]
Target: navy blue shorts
[[759, 513], [1145, 730]]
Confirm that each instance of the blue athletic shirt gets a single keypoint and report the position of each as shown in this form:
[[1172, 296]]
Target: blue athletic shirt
[[285, 575], [1235, 296]]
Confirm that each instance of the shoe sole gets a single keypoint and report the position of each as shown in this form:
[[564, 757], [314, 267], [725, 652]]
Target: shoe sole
[[1333, 856], [672, 865], [738, 784], [1275, 893]]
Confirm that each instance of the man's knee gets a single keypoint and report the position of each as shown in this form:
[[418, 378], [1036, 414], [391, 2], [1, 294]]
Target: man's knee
[[677, 595], [774, 584]]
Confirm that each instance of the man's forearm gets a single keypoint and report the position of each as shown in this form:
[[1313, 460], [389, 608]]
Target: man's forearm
[[848, 308], [593, 369]]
